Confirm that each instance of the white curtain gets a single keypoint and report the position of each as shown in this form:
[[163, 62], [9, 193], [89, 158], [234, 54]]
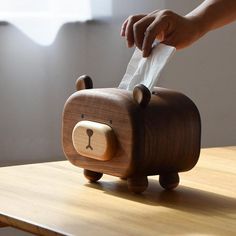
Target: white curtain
[[41, 19]]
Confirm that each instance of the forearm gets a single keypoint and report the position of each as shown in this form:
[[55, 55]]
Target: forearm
[[212, 14], [176, 30]]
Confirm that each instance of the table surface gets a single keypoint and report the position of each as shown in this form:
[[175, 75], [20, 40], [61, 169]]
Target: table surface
[[55, 199]]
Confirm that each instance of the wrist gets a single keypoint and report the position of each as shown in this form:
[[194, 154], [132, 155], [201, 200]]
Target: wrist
[[199, 24]]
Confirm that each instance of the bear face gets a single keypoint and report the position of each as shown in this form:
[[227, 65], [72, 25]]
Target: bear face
[[101, 128]]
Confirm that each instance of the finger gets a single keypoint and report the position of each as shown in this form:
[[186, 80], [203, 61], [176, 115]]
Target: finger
[[175, 43], [129, 29], [155, 30], [139, 29], [170, 40], [129, 33], [123, 28]]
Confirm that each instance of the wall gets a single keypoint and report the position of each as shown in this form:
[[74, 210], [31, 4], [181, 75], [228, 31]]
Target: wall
[[35, 80]]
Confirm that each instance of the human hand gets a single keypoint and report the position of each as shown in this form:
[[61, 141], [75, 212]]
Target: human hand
[[163, 25]]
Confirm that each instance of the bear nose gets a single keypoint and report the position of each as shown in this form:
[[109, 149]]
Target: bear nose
[[94, 140], [89, 132]]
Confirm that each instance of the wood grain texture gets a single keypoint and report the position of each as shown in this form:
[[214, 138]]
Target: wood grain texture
[[55, 199], [156, 134], [172, 133]]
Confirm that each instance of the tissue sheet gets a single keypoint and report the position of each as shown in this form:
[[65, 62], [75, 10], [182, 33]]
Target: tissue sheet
[[146, 71]]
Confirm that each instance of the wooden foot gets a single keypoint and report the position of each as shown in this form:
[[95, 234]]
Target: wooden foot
[[92, 176], [169, 181], [138, 184]]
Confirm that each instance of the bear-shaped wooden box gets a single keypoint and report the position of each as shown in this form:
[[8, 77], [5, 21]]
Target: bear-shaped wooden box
[[131, 135]]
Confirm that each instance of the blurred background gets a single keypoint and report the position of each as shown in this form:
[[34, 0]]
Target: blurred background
[[36, 78]]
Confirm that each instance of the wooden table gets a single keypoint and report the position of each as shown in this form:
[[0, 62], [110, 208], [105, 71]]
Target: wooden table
[[55, 199]]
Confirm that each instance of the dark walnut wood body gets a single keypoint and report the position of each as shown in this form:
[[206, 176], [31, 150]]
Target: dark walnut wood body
[[159, 135]]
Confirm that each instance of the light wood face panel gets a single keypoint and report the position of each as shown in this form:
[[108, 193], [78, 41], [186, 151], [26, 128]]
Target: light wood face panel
[[94, 140], [55, 199]]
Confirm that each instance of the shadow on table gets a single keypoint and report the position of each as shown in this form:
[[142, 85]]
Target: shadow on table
[[183, 198]]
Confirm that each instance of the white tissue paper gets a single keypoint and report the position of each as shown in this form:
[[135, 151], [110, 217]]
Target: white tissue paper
[[146, 71]]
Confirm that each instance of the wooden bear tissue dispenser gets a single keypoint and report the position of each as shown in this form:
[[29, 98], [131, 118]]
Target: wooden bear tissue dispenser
[[131, 135]]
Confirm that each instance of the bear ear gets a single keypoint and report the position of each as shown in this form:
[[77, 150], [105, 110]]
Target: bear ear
[[84, 82], [141, 95]]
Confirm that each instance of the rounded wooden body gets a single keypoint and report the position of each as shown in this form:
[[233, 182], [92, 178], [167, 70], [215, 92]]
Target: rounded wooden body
[[131, 134], [171, 133], [160, 137]]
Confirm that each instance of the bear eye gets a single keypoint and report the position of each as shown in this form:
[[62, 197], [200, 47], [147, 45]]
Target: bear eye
[[82, 116]]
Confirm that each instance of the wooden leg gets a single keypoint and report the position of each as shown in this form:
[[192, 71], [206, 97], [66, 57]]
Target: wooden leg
[[169, 181], [138, 184], [92, 176]]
